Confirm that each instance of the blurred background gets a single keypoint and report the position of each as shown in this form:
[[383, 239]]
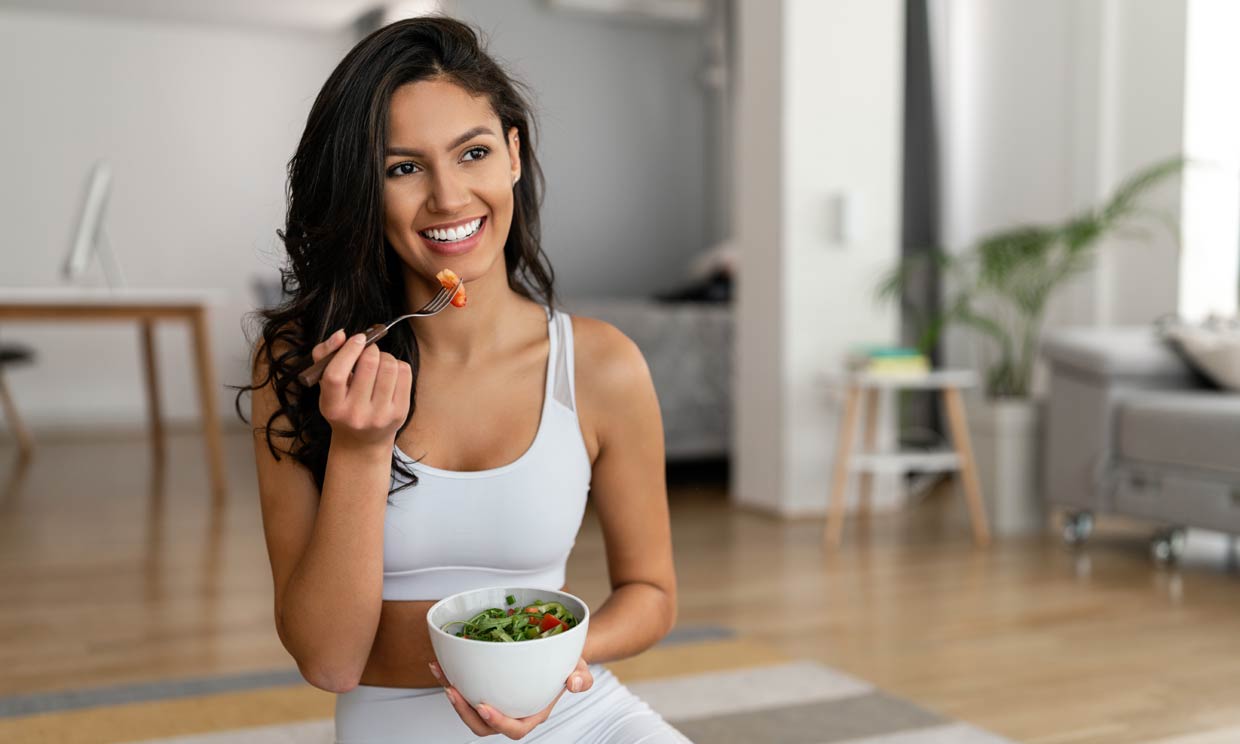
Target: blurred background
[[960, 273]]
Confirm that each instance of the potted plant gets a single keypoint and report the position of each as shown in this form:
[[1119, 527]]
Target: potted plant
[[1000, 288]]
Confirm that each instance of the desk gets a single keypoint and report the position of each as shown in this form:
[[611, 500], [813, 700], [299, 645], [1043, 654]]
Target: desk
[[959, 457], [146, 307]]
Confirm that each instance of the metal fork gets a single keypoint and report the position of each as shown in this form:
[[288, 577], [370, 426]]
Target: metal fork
[[310, 377]]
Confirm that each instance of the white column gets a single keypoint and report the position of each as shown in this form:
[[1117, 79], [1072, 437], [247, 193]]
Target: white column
[[820, 102], [758, 428]]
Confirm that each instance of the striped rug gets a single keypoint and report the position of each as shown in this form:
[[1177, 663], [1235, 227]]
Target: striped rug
[[715, 688]]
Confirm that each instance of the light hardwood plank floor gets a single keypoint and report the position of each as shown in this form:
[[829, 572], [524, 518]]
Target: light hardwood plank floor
[[111, 572]]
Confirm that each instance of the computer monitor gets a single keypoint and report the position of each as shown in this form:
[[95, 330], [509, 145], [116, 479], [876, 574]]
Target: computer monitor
[[90, 239]]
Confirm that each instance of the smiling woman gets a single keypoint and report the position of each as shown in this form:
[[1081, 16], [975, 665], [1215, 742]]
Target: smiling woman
[[417, 166]]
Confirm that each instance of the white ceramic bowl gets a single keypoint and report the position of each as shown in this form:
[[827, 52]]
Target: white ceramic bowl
[[520, 678]]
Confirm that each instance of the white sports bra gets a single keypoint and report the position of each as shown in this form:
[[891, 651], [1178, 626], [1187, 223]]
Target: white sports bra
[[508, 526]]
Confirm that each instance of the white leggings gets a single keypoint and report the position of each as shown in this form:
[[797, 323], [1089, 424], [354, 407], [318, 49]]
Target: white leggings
[[607, 713]]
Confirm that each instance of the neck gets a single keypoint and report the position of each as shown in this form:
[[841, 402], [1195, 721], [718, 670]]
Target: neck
[[493, 314]]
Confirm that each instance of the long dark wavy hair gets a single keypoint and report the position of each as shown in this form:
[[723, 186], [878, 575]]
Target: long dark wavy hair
[[341, 271]]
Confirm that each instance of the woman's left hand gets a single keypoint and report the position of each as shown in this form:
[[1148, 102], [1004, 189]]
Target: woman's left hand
[[485, 720]]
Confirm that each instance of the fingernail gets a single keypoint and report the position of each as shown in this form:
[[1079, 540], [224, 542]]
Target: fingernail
[[338, 334], [485, 712], [434, 671], [359, 339], [451, 697], [574, 684]]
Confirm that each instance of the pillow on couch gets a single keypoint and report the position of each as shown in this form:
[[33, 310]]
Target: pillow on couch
[[1213, 349]]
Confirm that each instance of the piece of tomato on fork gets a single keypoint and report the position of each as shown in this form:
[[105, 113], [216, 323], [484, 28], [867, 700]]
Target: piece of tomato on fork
[[449, 279]]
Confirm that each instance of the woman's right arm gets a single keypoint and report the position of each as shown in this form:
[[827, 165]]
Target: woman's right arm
[[326, 549]]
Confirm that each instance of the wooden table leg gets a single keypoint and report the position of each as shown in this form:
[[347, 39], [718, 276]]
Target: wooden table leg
[[968, 470], [833, 533], [871, 443], [206, 401], [152, 390], [25, 443]]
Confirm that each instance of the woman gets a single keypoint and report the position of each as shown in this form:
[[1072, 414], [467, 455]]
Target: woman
[[457, 452]]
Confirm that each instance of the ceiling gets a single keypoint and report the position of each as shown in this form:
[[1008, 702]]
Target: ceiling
[[301, 15], [333, 15]]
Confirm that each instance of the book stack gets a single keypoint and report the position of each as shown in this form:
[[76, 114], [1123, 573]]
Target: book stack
[[888, 361]]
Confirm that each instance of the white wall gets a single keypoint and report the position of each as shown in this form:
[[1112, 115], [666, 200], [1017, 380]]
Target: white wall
[[198, 122], [1144, 86], [825, 123], [1003, 99]]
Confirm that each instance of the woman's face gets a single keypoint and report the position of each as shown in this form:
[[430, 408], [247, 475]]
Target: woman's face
[[448, 180]]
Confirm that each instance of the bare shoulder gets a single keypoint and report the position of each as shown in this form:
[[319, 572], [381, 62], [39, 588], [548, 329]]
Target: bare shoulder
[[614, 389], [608, 363]]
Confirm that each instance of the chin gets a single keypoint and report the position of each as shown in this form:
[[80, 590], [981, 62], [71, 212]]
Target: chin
[[469, 266]]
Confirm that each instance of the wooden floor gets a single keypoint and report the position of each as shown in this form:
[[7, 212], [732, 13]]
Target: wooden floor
[[113, 572]]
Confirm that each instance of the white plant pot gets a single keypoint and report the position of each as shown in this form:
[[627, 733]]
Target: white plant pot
[[1007, 445]]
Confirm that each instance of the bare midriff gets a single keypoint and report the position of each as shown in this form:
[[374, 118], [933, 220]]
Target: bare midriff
[[402, 650]]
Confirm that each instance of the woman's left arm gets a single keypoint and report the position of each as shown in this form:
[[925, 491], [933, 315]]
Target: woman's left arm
[[630, 496], [629, 492]]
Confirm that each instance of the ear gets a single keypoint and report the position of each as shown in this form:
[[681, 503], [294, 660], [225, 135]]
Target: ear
[[514, 154]]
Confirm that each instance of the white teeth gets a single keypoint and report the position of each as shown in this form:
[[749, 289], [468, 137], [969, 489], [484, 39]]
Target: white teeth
[[453, 234]]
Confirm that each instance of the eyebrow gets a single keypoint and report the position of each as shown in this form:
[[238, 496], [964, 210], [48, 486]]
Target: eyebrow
[[409, 152]]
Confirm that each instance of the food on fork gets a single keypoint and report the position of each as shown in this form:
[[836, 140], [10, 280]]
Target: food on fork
[[448, 279]]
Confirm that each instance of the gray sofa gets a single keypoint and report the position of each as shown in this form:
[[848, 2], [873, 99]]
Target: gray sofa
[[1132, 430], [688, 347]]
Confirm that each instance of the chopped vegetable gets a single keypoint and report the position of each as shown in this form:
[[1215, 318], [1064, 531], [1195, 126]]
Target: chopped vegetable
[[449, 279], [539, 620]]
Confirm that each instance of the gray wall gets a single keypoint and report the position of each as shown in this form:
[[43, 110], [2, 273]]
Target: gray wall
[[622, 144]]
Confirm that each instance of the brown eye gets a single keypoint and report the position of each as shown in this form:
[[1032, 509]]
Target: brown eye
[[402, 169]]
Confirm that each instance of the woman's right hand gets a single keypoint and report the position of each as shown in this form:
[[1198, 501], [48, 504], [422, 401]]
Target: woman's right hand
[[364, 392]]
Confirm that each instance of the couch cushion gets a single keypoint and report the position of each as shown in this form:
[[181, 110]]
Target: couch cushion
[[1211, 349], [1134, 351], [1193, 429]]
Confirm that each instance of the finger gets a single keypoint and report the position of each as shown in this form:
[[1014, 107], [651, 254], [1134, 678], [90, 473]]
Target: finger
[[582, 679], [385, 381], [513, 728], [327, 345], [467, 713], [364, 373], [335, 381], [438, 674]]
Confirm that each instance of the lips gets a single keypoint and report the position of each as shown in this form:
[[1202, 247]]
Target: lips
[[454, 239], [453, 232]]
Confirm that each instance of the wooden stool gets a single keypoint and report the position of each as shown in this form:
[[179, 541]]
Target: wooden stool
[[960, 457]]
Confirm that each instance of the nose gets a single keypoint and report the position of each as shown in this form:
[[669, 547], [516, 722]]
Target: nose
[[449, 192]]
